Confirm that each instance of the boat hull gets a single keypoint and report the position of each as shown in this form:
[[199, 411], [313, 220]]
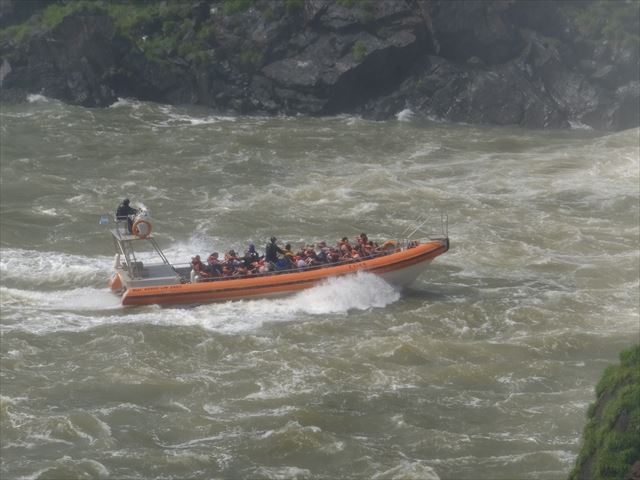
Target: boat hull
[[400, 268]]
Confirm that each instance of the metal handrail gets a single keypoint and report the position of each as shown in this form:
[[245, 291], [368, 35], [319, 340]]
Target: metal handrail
[[444, 227]]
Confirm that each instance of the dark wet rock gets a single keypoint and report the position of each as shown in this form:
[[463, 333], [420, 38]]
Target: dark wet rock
[[443, 90], [495, 62], [17, 11], [468, 28], [72, 62], [13, 96]]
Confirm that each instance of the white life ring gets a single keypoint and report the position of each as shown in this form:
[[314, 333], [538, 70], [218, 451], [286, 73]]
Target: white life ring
[[141, 228]]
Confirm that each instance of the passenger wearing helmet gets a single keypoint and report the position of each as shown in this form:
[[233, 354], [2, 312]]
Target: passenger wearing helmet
[[124, 211], [251, 256]]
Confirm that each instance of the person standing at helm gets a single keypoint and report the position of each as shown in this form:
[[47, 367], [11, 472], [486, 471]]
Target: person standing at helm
[[271, 251], [123, 211]]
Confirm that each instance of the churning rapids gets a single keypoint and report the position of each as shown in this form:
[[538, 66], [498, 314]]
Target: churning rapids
[[484, 368]]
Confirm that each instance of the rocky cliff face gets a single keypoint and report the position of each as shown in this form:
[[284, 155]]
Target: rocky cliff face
[[501, 62]]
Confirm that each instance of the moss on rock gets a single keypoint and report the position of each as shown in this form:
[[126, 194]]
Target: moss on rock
[[611, 439]]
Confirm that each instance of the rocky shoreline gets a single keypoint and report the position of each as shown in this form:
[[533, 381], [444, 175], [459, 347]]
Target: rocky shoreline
[[496, 62]]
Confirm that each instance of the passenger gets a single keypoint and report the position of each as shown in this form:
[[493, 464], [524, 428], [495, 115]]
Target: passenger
[[214, 266], [124, 212], [232, 262], [231, 258], [322, 253], [311, 258], [287, 252], [264, 266], [370, 249], [300, 262], [255, 266], [271, 251], [284, 263], [197, 269], [345, 247], [362, 241], [251, 256]]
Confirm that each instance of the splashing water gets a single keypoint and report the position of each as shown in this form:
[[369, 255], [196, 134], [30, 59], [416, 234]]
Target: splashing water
[[484, 368]]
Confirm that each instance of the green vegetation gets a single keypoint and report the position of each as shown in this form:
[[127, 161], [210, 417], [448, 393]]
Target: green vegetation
[[129, 16], [364, 4], [366, 8], [51, 16], [16, 33], [176, 34], [359, 51], [159, 29], [351, 3], [293, 6], [56, 12], [231, 7], [618, 22], [611, 439], [250, 60]]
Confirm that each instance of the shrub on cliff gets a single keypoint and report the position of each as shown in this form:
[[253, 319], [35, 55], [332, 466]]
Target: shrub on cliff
[[611, 439], [617, 23]]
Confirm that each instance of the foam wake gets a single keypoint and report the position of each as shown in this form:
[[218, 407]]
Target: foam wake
[[27, 268], [76, 309], [361, 291]]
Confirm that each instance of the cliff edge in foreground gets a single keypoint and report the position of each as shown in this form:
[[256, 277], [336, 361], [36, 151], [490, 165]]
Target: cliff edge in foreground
[[611, 439]]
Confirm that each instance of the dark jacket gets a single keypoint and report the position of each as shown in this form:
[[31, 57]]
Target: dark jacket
[[124, 211], [271, 252], [250, 258]]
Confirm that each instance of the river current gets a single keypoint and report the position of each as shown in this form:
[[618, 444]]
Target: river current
[[483, 369]]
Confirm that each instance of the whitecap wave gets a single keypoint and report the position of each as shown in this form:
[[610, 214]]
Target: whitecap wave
[[37, 98], [126, 102], [405, 115], [578, 125], [175, 118], [19, 267]]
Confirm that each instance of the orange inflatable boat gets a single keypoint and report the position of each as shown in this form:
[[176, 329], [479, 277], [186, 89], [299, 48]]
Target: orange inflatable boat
[[162, 283]]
